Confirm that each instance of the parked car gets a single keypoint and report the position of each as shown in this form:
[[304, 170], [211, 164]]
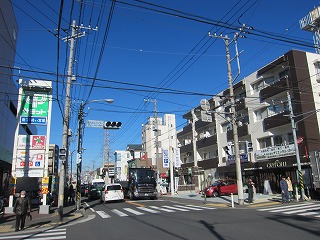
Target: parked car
[[112, 192], [95, 190], [222, 187]]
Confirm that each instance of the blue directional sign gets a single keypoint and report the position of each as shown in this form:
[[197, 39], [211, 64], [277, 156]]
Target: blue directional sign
[[33, 120]]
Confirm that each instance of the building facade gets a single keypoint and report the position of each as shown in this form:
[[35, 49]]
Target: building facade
[[265, 132], [166, 140]]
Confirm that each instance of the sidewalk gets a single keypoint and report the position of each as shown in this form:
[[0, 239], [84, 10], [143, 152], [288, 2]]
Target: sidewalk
[[226, 200], [70, 214]]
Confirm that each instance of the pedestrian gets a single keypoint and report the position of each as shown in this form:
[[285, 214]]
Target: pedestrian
[[284, 190], [22, 208], [290, 189], [71, 194], [250, 190]]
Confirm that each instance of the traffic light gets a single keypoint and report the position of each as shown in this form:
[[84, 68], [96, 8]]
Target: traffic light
[[249, 146], [63, 154], [112, 125]]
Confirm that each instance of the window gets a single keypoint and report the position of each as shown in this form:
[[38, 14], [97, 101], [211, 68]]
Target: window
[[269, 80], [277, 140], [274, 109], [265, 142], [317, 69], [284, 73], [290, 138], [155, 132]]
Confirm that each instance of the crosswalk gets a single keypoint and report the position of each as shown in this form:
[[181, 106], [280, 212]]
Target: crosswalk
[[50, 234], [300, 209], [137, 211]]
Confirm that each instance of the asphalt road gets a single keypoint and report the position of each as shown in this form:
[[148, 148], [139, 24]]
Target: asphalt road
[[165, 219]]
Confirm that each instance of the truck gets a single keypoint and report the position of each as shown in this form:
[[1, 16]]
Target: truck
[[141, 184]]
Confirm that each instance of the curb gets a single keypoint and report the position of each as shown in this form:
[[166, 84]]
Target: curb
[[51, 221]]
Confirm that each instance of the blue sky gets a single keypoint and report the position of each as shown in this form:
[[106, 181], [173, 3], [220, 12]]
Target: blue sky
[[152, 45]]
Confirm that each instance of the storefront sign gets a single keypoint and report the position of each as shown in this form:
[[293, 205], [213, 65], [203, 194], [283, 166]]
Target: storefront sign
[[34, 108], [275, 152], [30, 159], [277, 164], [29, 172], [31, 142]]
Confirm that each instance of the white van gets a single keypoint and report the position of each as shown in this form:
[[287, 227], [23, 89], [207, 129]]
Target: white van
[[112, 192]]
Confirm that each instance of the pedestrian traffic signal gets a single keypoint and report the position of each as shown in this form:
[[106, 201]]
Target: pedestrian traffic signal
[[249, 146], [63, 154], [112, 125]]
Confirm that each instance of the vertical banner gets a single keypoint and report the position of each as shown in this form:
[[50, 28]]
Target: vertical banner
[[177, 162], [165, 158], [45, 185]]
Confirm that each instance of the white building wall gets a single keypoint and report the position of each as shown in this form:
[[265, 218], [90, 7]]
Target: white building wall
[[314, 71], [121, 164]]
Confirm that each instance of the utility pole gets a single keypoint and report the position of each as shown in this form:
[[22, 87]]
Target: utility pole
[[294, 135], [106, 154], [79, 155], [156, 132], [194, 145], [233, 110], [66, 119]]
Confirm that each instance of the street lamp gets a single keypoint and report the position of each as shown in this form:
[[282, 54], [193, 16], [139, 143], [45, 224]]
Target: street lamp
[[80, 149]]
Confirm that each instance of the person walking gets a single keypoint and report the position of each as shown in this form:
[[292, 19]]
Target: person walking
[[290, 188], [71, 194], [284, 190], [22, 208], [250, 190]]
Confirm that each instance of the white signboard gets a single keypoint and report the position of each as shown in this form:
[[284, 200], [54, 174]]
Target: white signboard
[[29, 172], [165, 159], [30, 159], [275, 152], [177, 162]]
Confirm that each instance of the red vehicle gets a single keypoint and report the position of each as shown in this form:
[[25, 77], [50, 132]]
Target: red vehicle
[[221, 187]]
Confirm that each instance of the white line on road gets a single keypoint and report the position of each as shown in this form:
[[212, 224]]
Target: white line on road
[[133, 211], [161, 209], [175, 208], [148, 210], [189, 207], [103, 214], [302, 209], [284, 207], [119, 213]]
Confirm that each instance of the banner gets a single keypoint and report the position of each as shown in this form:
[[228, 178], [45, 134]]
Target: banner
[[177, 162]]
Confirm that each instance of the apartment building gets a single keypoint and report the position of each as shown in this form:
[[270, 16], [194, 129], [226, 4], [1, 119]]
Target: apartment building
[[265, 132]]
